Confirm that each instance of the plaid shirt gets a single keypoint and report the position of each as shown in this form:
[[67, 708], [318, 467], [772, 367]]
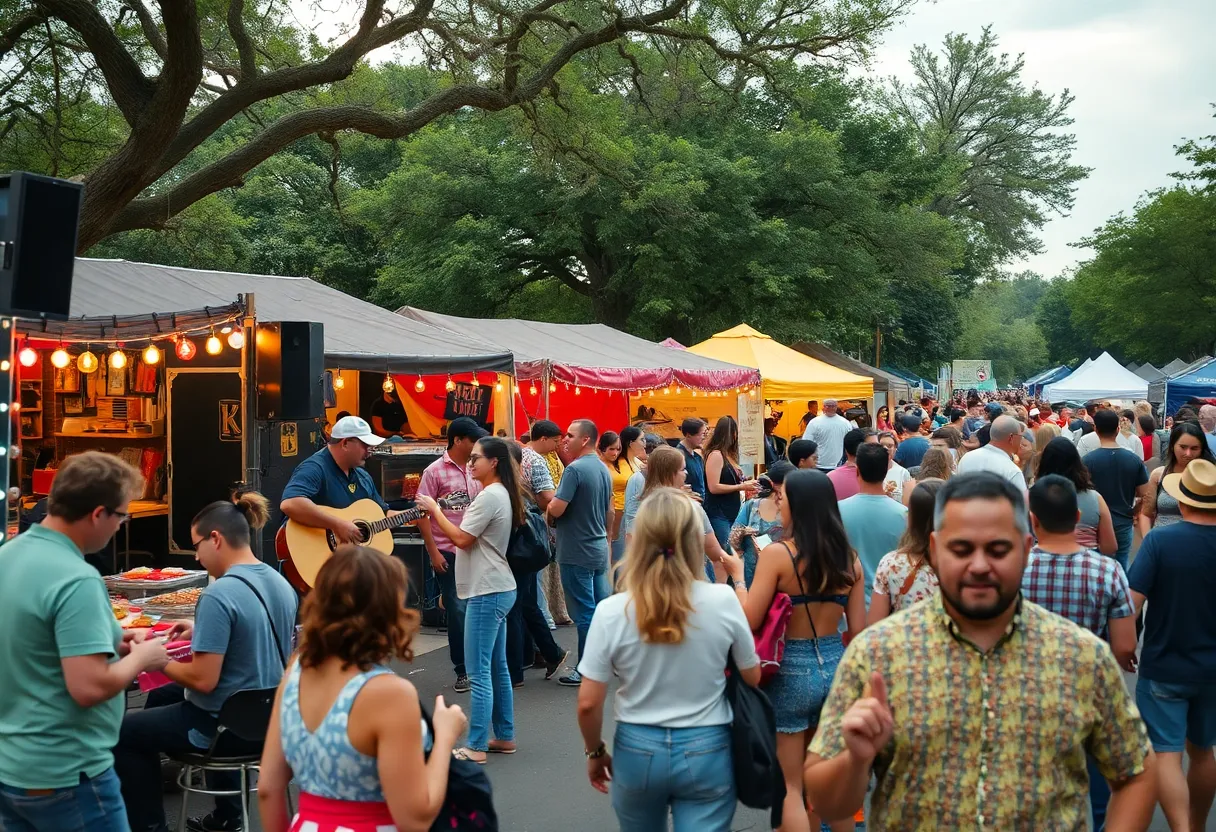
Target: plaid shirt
[[1085, 587], [441, 478]]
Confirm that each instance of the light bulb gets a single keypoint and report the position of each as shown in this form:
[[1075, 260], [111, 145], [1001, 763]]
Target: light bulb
[[213, 346], [3, 407], [60, 358], [677, 391], [186, 349], [652, 394], [476, 381], [87, 362], [118, 359], [666, 391], [388, 385], [751, 393], [419, 385], [498, 387], [16, 406], [28, 357], [339, 382], [552, 387], [532, 389], [578, 391], [152, 354], [450, 386], [694, 393], [237, 339]]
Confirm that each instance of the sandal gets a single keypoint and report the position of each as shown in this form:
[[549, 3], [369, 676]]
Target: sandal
[[503, 747], [465, 754]]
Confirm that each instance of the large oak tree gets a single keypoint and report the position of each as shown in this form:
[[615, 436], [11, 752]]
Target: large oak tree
[[121, 92]]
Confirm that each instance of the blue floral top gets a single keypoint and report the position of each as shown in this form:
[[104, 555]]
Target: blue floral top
[[749, 515], [324, 762]]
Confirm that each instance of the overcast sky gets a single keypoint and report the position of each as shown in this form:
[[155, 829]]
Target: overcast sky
[[1143, 73]]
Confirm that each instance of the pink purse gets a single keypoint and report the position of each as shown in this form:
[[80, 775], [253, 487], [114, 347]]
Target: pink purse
[[770, 638]]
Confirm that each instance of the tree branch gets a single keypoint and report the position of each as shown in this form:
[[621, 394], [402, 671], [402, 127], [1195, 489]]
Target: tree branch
[[240, 36], [27, 21], [131, 90], [148, 24], [229, 171]]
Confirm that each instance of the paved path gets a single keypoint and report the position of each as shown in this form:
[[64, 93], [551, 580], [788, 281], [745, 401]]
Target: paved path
[[542, 788]]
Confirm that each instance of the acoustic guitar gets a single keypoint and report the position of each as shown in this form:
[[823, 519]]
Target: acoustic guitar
[[303, 549]]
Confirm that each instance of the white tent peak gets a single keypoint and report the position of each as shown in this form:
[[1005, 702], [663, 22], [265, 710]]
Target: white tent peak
[[1101, 378]]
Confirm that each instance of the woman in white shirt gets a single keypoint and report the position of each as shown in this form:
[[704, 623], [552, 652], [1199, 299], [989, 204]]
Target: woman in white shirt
[[484, 578], [665, 637]]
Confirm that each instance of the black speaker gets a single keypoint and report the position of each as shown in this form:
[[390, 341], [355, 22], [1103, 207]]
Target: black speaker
[[39, 216], [290, 370]]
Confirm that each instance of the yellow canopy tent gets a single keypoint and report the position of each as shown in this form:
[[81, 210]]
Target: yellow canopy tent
[[785, 374]]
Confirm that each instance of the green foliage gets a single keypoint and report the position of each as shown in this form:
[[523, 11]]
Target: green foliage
[[1003, 147], [997, 323]]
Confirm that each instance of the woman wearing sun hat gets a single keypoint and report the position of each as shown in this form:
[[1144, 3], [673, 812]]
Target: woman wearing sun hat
[[1175, 571]]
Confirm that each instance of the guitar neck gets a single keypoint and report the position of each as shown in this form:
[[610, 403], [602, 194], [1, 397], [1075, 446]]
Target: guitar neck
[[407, 516]]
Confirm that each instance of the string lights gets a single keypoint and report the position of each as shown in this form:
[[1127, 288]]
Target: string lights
[[27, 357], [118, 358], [419, 385], [451, 385], [237, 339], [213, 346], [60, 358], [185, 349], [152, 354], [87, 362], [339, 382], [388, 386]]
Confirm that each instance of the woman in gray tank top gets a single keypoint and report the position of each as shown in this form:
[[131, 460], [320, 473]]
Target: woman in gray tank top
[[1187, 443], [1095, 529]]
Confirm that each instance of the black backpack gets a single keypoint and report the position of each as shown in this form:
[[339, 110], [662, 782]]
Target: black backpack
[[759, 782], [468, 805], [528, 550]]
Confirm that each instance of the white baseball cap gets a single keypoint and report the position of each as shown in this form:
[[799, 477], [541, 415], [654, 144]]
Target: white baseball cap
[[352, 427]]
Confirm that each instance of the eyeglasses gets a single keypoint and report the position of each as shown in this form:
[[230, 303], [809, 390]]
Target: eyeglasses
[[474, 457], [123, 516]]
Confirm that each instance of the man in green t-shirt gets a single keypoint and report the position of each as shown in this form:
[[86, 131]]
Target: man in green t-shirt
[[64, 661]]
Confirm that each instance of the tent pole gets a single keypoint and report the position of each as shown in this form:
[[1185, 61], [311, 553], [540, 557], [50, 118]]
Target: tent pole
[[249, 428], [546, 378]]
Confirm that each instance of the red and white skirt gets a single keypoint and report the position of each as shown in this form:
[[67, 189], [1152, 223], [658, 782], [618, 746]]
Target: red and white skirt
[[322, 814]]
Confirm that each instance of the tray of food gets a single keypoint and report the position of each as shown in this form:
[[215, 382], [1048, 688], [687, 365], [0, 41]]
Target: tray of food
[[146, 579], [131, 616], [177, 604]]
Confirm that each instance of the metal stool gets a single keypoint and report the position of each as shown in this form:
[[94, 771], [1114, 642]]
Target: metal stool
[[245, 715]]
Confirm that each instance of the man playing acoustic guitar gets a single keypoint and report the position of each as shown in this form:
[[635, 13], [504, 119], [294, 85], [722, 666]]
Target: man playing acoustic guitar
[[334, 477]]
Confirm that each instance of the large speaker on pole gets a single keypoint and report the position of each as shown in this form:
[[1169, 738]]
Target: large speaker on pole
[[39, 216], [290, 370]]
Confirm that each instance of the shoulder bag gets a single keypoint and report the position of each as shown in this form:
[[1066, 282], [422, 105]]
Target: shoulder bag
[[283, 654], [759, 782], [468, 805]]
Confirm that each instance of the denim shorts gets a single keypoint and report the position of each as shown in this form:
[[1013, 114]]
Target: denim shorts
[[1177, 713], [801, 685]]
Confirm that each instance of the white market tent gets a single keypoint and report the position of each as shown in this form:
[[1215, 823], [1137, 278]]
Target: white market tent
[[1102, 378]]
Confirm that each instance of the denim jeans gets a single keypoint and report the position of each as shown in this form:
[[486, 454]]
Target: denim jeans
[[485, 650], [584, 589], [527, 631], [165, 724], [1099, 794], [542, 601], [93, 806], [1123, 542], [453, 608], [686, 771]]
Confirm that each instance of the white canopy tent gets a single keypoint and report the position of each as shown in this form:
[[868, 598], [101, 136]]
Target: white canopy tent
[[1102, 378]]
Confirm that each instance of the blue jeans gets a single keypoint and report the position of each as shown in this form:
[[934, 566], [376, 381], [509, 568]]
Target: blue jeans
[[1123, 544], [95, 805], [686, 771], [1099, 794], [584, 589], [453, 608], [543, 602], [485, 650]]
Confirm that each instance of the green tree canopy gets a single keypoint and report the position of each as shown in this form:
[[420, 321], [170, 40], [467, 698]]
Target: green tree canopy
[[1150, 290], [1006, 146]]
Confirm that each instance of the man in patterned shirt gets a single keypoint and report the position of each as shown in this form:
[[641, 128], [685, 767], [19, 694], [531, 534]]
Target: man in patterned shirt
[[1087, 588], [993, 701]]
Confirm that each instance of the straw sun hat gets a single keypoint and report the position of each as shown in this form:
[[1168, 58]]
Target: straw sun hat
[[1196, 486]]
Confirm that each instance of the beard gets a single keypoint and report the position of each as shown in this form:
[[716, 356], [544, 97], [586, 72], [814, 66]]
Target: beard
[[1005, 598]]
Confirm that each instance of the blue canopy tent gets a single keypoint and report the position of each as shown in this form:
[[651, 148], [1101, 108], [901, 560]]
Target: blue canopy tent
[[1193, 383], [1035, 385]]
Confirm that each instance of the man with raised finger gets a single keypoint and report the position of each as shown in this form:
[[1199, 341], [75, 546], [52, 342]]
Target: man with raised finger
[[975, 709]]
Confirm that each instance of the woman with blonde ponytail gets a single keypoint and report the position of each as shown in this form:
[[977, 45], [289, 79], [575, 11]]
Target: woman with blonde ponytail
[[665, 637]]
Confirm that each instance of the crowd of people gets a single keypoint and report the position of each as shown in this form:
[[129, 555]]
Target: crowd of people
[[959, 609]]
